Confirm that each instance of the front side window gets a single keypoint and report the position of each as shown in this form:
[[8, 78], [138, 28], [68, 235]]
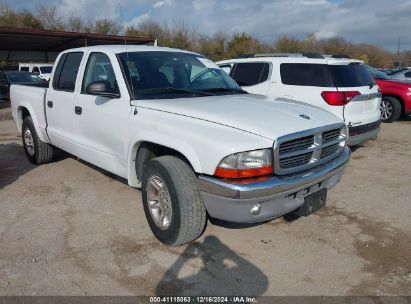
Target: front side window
[[46, 69], [99, 68], [66, 71], [159, 74], [250, 73], [407, 74]]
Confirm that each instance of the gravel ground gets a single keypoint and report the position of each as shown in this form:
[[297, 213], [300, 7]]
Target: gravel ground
[[67, 228]]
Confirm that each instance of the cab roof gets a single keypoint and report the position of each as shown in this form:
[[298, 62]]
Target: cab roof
[[116, 49]]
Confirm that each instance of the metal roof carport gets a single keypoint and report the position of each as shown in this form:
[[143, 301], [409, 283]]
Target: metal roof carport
[[19, 44]]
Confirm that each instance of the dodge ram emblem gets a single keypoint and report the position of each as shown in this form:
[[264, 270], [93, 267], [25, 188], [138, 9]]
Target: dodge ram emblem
[[305, 116]]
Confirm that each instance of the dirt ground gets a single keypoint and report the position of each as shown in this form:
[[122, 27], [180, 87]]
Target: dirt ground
[[67, 228]]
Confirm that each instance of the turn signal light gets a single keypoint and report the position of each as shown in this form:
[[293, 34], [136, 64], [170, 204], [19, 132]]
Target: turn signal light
[[243, 173]]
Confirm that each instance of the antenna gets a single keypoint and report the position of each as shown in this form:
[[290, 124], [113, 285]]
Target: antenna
[[128, 63]]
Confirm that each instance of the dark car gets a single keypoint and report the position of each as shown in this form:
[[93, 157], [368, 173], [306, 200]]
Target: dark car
[[7, 78]]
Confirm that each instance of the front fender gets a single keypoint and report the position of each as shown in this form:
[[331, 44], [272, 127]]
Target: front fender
[[160, 139]]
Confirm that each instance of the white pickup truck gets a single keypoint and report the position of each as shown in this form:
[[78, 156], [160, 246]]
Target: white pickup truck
[[175, 125]]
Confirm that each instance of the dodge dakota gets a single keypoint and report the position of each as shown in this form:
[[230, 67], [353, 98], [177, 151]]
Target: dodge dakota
[[173, 124]]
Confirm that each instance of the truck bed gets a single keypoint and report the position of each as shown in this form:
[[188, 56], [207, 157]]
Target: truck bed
[[31, 97]]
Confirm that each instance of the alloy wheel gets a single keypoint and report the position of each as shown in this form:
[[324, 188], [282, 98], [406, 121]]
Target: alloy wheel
[[29, 141], [386, 109], [159, 202]]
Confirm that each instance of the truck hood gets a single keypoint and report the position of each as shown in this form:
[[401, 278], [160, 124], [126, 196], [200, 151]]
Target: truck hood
[[260, 115]]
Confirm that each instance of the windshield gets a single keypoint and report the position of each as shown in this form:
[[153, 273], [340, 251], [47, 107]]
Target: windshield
[[377, 74], [46, 69], [158, 74], [23, 77]]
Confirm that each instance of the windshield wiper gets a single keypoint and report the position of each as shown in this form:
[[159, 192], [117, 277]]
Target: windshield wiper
[[222, 89], [172, 90]]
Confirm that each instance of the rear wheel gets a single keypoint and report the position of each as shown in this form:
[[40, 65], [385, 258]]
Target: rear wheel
[[172, 201], [37, 152], [390, 109]]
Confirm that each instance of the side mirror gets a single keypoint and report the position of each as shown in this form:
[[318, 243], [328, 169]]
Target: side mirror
[[102, 88]]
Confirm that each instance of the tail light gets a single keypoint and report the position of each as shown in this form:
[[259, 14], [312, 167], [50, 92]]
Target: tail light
[[336, 98]]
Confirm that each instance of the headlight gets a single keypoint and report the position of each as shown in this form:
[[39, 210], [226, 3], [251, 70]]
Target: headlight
[[246, 164]]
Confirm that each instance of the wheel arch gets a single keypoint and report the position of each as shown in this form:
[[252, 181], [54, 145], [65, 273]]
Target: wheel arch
[[399, 98], [157, 148], [22, 112]]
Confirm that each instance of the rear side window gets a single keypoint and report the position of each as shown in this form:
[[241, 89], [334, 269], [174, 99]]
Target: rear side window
[[250, 73], [66, 72], [25, 69], [323, 75], [351, 75], [306, 74]]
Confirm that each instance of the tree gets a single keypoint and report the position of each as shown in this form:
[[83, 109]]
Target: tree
[[75, 24], [49, 18], [242, 43], [24, 19], [107, 27], [286, 44]]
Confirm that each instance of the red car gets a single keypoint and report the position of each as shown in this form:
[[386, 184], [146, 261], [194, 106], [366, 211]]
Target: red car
[[396, 96]]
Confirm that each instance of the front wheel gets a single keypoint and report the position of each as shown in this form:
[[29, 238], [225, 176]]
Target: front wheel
[[172, 201], [390, 109]]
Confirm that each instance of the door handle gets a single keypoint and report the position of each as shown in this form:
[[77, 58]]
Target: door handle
[[50, 104], [78, 110]]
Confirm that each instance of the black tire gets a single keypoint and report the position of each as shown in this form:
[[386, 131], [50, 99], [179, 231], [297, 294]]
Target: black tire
[[188, 217], [43, 152], [396, 107]]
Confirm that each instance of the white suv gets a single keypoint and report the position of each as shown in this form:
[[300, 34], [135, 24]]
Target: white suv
[[341, 86]]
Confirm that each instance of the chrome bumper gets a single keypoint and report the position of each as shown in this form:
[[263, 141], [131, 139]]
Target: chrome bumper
[[277, 195]]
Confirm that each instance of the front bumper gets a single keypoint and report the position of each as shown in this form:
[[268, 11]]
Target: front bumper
[[361, 134], [276, 196]]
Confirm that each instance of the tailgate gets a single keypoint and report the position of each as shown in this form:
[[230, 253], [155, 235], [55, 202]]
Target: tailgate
[[353, 76], [363, 108]]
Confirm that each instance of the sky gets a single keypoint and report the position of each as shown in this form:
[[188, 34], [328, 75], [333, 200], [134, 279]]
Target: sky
[[379, 22]]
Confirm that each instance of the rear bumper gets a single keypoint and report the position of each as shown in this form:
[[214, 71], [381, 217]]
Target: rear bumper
[[361, 134], [276, 196]]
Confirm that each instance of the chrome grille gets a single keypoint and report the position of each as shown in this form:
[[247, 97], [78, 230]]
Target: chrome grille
[[304, 150], [331, 135], [325, 152], [296, 144], [298, 160]]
